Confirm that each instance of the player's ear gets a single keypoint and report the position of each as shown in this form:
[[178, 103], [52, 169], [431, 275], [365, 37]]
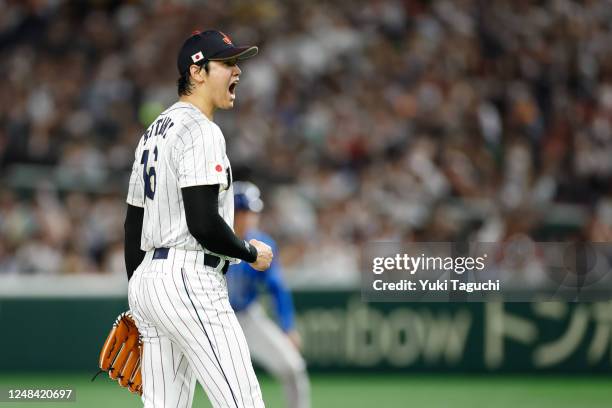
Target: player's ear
[[198, 74]]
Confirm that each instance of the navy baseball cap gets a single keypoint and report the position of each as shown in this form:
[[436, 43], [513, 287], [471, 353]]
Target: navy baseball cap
[[247, 197], [211, 45]]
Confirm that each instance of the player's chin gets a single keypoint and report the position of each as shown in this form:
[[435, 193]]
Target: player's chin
[[229, 101]]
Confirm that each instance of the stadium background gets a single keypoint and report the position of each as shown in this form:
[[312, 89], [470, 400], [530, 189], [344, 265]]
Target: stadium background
[[387, 120]]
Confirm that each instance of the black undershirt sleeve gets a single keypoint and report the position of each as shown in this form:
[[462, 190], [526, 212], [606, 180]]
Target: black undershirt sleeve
[[209, 228], [133, 230]]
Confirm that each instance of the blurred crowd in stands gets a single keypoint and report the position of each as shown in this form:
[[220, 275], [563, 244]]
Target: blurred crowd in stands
[[360, 120]]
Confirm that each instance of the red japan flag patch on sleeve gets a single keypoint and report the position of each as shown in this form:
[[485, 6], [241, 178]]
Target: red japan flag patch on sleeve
[[218, 168]]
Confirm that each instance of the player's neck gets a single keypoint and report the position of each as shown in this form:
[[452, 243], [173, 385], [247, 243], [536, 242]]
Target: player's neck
[[205, 106]]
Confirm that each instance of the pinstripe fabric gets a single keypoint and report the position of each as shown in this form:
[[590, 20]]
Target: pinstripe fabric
[[191, 152], [190, 332]]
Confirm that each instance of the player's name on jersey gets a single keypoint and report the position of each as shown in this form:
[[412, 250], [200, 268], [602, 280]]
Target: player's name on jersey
[[159, 127], [442, 285]]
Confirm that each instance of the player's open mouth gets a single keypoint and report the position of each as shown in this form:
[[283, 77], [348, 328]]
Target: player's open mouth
[[232, 87]]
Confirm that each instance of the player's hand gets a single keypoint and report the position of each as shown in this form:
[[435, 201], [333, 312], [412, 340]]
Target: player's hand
[[295, 339], [264, 255]]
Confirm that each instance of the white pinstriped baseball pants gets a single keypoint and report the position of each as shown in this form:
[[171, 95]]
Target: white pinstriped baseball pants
[[189, 333]]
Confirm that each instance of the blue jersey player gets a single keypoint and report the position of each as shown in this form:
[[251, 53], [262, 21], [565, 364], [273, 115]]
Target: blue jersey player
[[275, 347]]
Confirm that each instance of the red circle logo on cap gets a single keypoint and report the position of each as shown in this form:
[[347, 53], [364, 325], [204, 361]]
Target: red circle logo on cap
[[219, 168]]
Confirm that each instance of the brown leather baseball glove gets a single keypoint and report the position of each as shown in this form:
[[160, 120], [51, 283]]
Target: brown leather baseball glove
[[122, 352]]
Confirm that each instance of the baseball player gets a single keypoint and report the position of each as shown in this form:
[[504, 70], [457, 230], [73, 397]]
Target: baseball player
[[179, 239], [274, 348]]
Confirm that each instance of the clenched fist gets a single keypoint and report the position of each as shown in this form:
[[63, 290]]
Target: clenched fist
[[264, 255]]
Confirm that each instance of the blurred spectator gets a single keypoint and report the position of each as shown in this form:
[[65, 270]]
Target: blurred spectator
[[391, 119]]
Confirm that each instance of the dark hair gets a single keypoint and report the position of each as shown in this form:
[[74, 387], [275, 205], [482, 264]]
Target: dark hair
[[184, 84]]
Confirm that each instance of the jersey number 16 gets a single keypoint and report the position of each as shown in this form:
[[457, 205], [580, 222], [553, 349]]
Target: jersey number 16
[[149, 175]]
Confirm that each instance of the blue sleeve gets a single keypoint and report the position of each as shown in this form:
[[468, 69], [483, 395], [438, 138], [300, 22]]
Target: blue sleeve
[[282, 297]]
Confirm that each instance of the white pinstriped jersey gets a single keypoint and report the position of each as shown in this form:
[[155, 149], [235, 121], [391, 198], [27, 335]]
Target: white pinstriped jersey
[[181, 148]]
